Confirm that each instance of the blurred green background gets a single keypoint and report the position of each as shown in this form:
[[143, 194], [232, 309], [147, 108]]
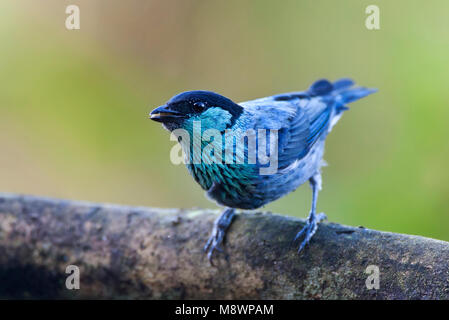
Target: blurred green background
[[74, 104]]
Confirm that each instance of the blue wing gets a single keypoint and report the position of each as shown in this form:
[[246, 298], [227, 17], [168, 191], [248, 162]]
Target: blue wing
[[303, 118]]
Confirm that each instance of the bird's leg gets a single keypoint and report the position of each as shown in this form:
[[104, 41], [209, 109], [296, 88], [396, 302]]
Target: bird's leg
[[221, 225], [312, 221]]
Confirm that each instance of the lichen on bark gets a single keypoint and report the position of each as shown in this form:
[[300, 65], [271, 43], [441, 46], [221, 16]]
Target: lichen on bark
[[149, 253]]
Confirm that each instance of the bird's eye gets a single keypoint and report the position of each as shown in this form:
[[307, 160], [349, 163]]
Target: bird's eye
[[199, 106]]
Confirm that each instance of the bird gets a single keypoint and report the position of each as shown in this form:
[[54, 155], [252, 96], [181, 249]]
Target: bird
[[300, 122]]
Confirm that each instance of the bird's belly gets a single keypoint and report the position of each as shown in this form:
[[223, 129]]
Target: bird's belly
[[290, 178], [264, 189]]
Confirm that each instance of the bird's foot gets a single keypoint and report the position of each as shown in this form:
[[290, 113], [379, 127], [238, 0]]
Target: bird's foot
[[221, 225], [309, 229]]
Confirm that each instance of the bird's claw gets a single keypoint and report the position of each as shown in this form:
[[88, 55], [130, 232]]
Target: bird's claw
[[309, 229], [213, 243], [218, 234]]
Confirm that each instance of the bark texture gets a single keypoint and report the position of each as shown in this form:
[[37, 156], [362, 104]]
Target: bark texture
[[148, 253]]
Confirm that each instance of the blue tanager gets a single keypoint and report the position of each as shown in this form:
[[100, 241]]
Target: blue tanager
[[299, 121]]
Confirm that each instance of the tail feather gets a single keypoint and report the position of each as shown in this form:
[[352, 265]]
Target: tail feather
[[335, 97], [344, 94], [354, 94], [342, 84], [341, 89]]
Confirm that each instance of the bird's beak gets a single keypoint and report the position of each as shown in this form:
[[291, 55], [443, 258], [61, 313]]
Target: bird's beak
[[163, 114]]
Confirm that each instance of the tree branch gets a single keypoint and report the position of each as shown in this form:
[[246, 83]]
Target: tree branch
[[147, 253]]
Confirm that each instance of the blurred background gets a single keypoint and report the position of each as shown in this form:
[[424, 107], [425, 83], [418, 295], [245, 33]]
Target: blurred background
[[74, 104]]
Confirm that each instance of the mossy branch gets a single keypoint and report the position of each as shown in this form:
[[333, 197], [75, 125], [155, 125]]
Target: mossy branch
[[148, 253]]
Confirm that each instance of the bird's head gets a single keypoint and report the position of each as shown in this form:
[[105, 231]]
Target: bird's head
[[213, 110]]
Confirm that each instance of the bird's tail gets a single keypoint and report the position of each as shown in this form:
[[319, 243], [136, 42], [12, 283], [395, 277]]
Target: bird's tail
[[341, 93], [343, 90]]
